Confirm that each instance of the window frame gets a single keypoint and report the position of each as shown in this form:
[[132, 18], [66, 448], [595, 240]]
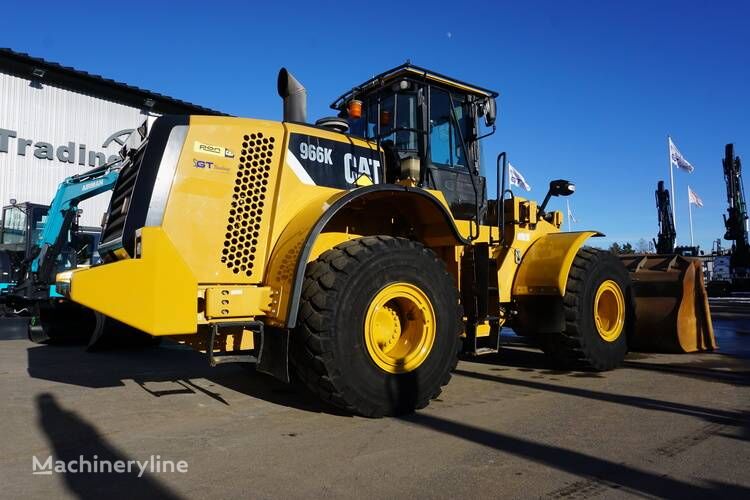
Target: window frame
[[17, 230], [471, 153], [423, 90]]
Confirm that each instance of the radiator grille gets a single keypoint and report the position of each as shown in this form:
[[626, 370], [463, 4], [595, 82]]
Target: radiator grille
[[122, 197], [248, 201]]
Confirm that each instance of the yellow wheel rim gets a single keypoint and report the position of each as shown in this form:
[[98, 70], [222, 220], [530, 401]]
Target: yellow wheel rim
[[399, 328], [609, 311]]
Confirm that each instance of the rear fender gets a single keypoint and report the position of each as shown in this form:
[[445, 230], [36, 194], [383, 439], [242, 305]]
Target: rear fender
[[324, 223]]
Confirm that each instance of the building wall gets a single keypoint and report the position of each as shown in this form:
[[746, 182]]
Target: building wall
[[70, 127]]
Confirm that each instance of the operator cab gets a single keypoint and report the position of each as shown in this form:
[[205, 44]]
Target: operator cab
[[20, 233], [428, 126], [22, 223]]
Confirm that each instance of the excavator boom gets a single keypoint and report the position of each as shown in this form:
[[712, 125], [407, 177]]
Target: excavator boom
[[666, 238], [736, 218]]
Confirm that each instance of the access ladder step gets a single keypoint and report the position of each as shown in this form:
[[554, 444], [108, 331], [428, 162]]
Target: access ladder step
[[238, 356], [482, 351], [480, 346]]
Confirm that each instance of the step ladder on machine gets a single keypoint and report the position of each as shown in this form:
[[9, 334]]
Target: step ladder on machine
[[481, 299]]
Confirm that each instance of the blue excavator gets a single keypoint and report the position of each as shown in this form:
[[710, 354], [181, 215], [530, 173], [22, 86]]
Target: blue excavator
[[37, 242]]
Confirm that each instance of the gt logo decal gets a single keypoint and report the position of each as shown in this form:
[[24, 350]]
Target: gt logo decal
[[202, 164], [209, 165]]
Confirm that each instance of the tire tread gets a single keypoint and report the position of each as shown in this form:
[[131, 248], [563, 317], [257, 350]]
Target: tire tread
[[312, 349]]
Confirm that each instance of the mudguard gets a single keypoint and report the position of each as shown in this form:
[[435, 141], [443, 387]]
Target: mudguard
[[295, 246], [545, 266]]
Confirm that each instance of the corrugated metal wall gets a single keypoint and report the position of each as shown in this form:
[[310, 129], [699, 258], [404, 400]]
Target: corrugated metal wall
[[44, 113]]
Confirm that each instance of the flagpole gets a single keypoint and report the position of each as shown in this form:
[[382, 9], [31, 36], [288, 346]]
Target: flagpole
[[671, 183], [690, 214]]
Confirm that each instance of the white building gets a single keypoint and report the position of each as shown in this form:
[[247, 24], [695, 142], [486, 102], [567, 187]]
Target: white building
[[57, 121]]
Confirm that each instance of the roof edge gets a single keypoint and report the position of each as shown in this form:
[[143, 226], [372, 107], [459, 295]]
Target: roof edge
[[26, 66], [417, 70]]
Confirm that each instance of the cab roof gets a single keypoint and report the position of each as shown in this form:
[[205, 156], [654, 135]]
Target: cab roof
[[415, 72]]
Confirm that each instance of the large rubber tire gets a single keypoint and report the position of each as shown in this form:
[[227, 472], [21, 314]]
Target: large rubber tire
[[60, 322], [112, 334], [329, 350], [581, 344]]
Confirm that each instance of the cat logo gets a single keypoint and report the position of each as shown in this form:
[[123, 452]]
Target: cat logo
[[355, 168]]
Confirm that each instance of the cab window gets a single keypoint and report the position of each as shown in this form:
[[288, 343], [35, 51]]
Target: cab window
[[37, 227], [398, 113], [406, 118], [15, 220], [390, 117], [387, 115], [14, 225], [445, 140]]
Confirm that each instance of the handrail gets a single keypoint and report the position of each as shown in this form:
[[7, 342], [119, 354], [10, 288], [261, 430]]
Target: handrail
[[500, 194]]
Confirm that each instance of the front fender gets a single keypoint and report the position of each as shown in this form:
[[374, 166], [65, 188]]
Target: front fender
[[545, 266]]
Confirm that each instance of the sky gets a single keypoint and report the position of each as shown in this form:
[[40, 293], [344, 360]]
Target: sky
[[589, 90]]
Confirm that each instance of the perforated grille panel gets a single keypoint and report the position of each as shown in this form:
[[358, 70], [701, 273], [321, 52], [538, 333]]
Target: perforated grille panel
[[248, 201]]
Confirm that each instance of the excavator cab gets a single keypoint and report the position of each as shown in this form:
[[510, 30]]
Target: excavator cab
[[21, 225], [429, 127]]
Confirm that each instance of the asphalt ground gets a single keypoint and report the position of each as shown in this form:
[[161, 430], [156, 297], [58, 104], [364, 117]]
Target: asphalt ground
[[675, 426]]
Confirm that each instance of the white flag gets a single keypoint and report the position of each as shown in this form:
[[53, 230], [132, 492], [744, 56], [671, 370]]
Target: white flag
[[570, 216], [694, 198], [516, 179], [676, 158]]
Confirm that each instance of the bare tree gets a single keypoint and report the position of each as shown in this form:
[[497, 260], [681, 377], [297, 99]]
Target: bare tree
[[643, 246], [621, 249]]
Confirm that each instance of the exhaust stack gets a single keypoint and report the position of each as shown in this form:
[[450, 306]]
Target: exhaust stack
[[294, 95]]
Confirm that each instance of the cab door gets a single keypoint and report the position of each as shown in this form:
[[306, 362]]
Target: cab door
[[451, 152]]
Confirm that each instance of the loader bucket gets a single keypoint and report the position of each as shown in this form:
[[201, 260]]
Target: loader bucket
[[671, 304]]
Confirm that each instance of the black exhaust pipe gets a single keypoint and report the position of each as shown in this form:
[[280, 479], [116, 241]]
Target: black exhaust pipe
[[294, 95]]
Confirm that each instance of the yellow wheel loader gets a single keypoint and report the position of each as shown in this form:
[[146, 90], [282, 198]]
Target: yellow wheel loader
[[361, 250]]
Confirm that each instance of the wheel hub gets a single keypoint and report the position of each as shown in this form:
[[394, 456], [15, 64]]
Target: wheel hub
[[609, 311], [387, 328], [399, 328]]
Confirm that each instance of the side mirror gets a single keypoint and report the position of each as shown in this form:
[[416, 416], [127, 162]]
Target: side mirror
[[559, 187], [490, 111]]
